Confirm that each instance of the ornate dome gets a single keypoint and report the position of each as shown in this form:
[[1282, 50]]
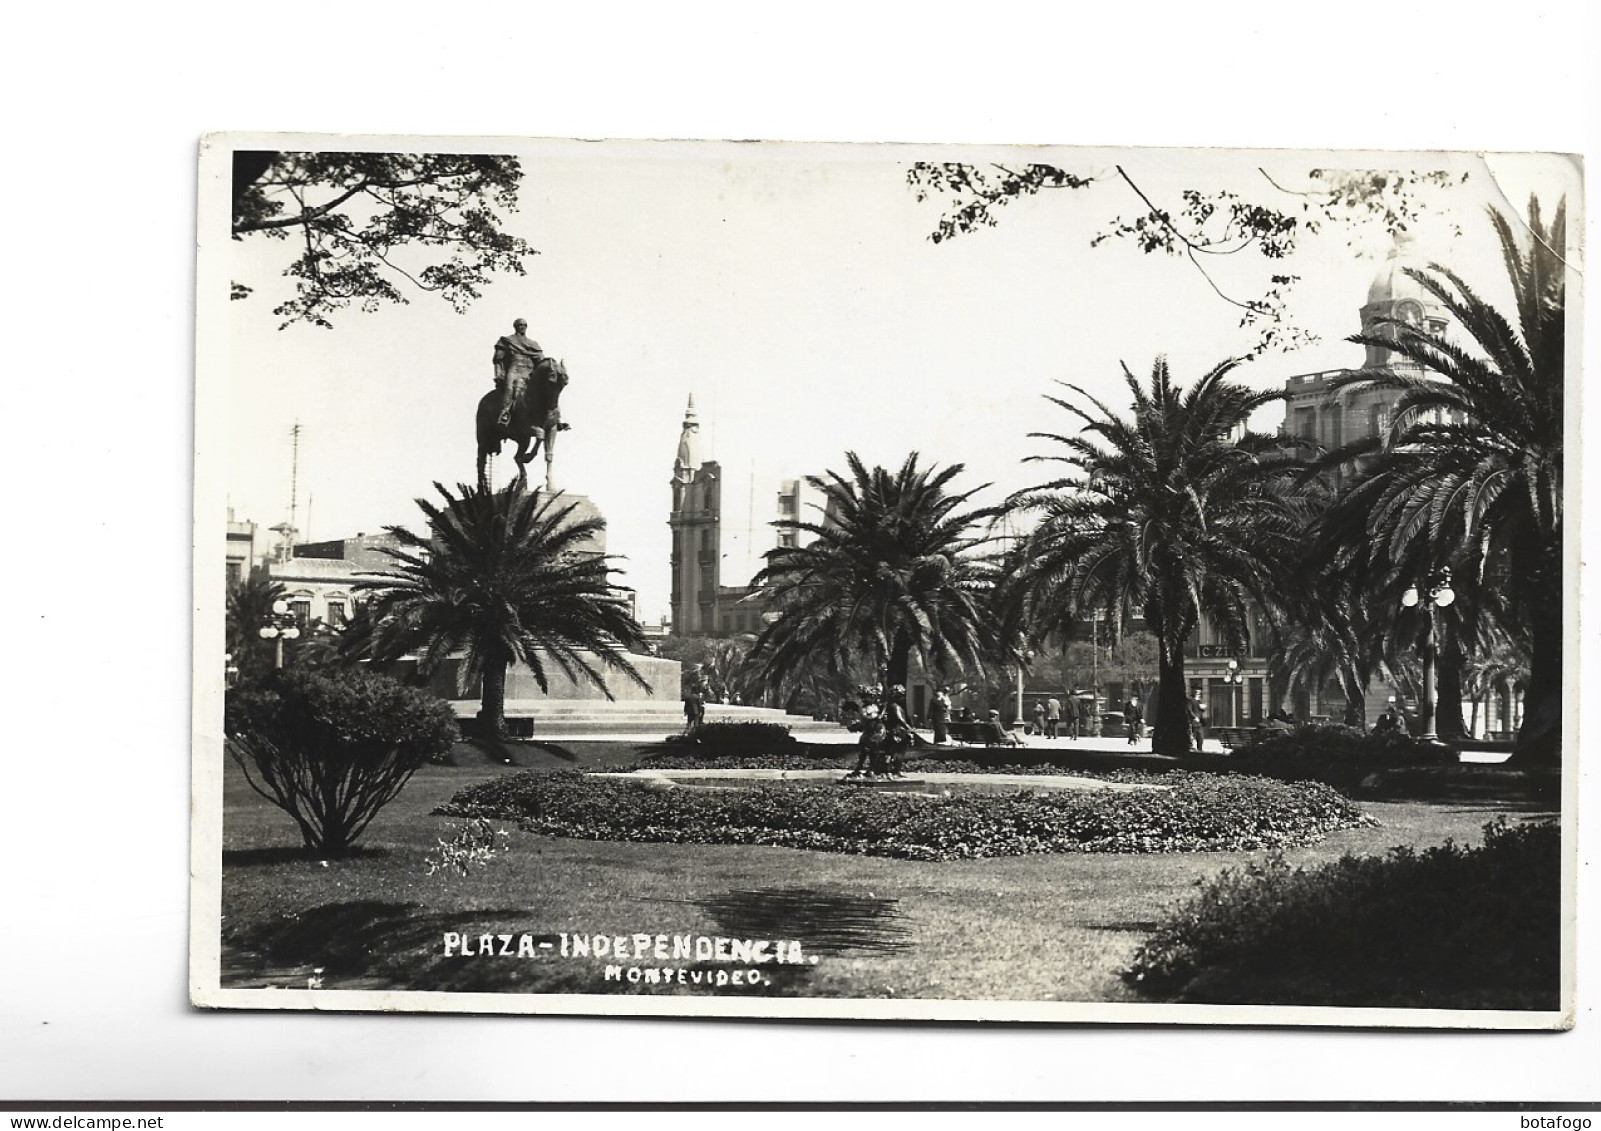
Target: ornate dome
[[1392, 283]]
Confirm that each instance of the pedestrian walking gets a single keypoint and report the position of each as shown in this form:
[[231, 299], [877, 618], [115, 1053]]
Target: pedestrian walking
[[1053, 716]]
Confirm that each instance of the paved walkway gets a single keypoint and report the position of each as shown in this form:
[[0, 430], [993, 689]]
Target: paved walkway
[[912, 779], [839, 736]]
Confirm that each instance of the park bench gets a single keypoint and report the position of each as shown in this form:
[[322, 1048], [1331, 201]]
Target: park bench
[[980, 732]]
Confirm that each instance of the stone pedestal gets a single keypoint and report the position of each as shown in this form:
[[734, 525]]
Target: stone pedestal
[[584, 508]]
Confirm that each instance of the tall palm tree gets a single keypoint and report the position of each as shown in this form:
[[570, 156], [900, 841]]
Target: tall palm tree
[[893, 569], [1472, 464], [1162, 512], [502, 579]]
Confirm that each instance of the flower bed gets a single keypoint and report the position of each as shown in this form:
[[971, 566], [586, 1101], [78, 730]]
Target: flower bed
[[1198, 812]]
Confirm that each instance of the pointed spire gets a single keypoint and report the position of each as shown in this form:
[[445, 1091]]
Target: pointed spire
[[688, 445]]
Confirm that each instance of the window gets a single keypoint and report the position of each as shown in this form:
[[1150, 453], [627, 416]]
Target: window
[[300, 609], [336, 613], [236, 573]]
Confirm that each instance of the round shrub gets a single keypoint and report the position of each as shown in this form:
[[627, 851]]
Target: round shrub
[[333, 747]]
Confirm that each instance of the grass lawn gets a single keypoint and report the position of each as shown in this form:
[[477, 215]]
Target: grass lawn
[[1046, 928]]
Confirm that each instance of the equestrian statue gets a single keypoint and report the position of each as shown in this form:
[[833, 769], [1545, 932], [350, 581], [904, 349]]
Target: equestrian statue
[[523, 407]]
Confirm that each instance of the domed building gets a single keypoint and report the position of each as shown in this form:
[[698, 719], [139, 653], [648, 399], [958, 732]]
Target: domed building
[[1315, 410], [1235, 685]]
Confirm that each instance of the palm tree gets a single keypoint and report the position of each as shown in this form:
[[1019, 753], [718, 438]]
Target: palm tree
[[1472, 464], [1162, 513], [892, 570], [502, 579], [1499, 664]]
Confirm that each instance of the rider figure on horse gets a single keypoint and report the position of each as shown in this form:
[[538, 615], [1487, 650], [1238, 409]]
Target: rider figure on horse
[[516, 357]]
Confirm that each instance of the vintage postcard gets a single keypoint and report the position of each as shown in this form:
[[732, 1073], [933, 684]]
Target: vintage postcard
[[885, 581]]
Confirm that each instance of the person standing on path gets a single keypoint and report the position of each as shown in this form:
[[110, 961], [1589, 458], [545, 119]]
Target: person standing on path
[[941, 712], [1197, 711], [1053, 715]]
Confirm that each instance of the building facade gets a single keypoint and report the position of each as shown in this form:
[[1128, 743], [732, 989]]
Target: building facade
[[1318, 410], [704, 554], [242, 553], [319, 577]]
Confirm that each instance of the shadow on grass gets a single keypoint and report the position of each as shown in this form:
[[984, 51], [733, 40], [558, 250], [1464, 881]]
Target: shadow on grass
[[824, 922], [1465, 786], [292, 854], [373, 944], [493, 749], [354, 937]]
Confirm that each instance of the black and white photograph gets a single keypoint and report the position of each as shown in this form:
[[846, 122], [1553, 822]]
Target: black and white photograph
[[897, 581]]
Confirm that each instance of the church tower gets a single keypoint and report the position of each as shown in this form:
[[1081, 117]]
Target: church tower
[[697, 537]]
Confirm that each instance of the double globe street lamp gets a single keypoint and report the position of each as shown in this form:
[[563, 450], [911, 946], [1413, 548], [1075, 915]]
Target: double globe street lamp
[[280, 626], [1235, 678], [1435, 593]]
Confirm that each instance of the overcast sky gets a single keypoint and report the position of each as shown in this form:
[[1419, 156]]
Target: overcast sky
[[793, 291]]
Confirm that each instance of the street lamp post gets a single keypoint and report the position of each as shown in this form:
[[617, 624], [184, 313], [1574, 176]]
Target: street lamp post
[[1018, 713], [280, 626], [1095, 677], [1436, 593], [1236, 678]]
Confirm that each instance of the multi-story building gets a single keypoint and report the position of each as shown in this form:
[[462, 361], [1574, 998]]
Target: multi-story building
[[1316, 410], [319, 577], [708, 550], [1319, 410], [242, 554]]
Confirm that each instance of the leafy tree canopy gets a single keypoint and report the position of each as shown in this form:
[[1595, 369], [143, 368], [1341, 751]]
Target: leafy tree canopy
[[1202, 225], [367, 224]]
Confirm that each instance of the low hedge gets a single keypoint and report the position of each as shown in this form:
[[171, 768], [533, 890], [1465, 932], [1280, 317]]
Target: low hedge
[[736, 739], [1198, 812], [1338, 755], [1449, 927]]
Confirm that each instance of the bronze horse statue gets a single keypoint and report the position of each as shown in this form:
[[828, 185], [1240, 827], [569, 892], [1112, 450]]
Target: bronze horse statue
[[534, 421]]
